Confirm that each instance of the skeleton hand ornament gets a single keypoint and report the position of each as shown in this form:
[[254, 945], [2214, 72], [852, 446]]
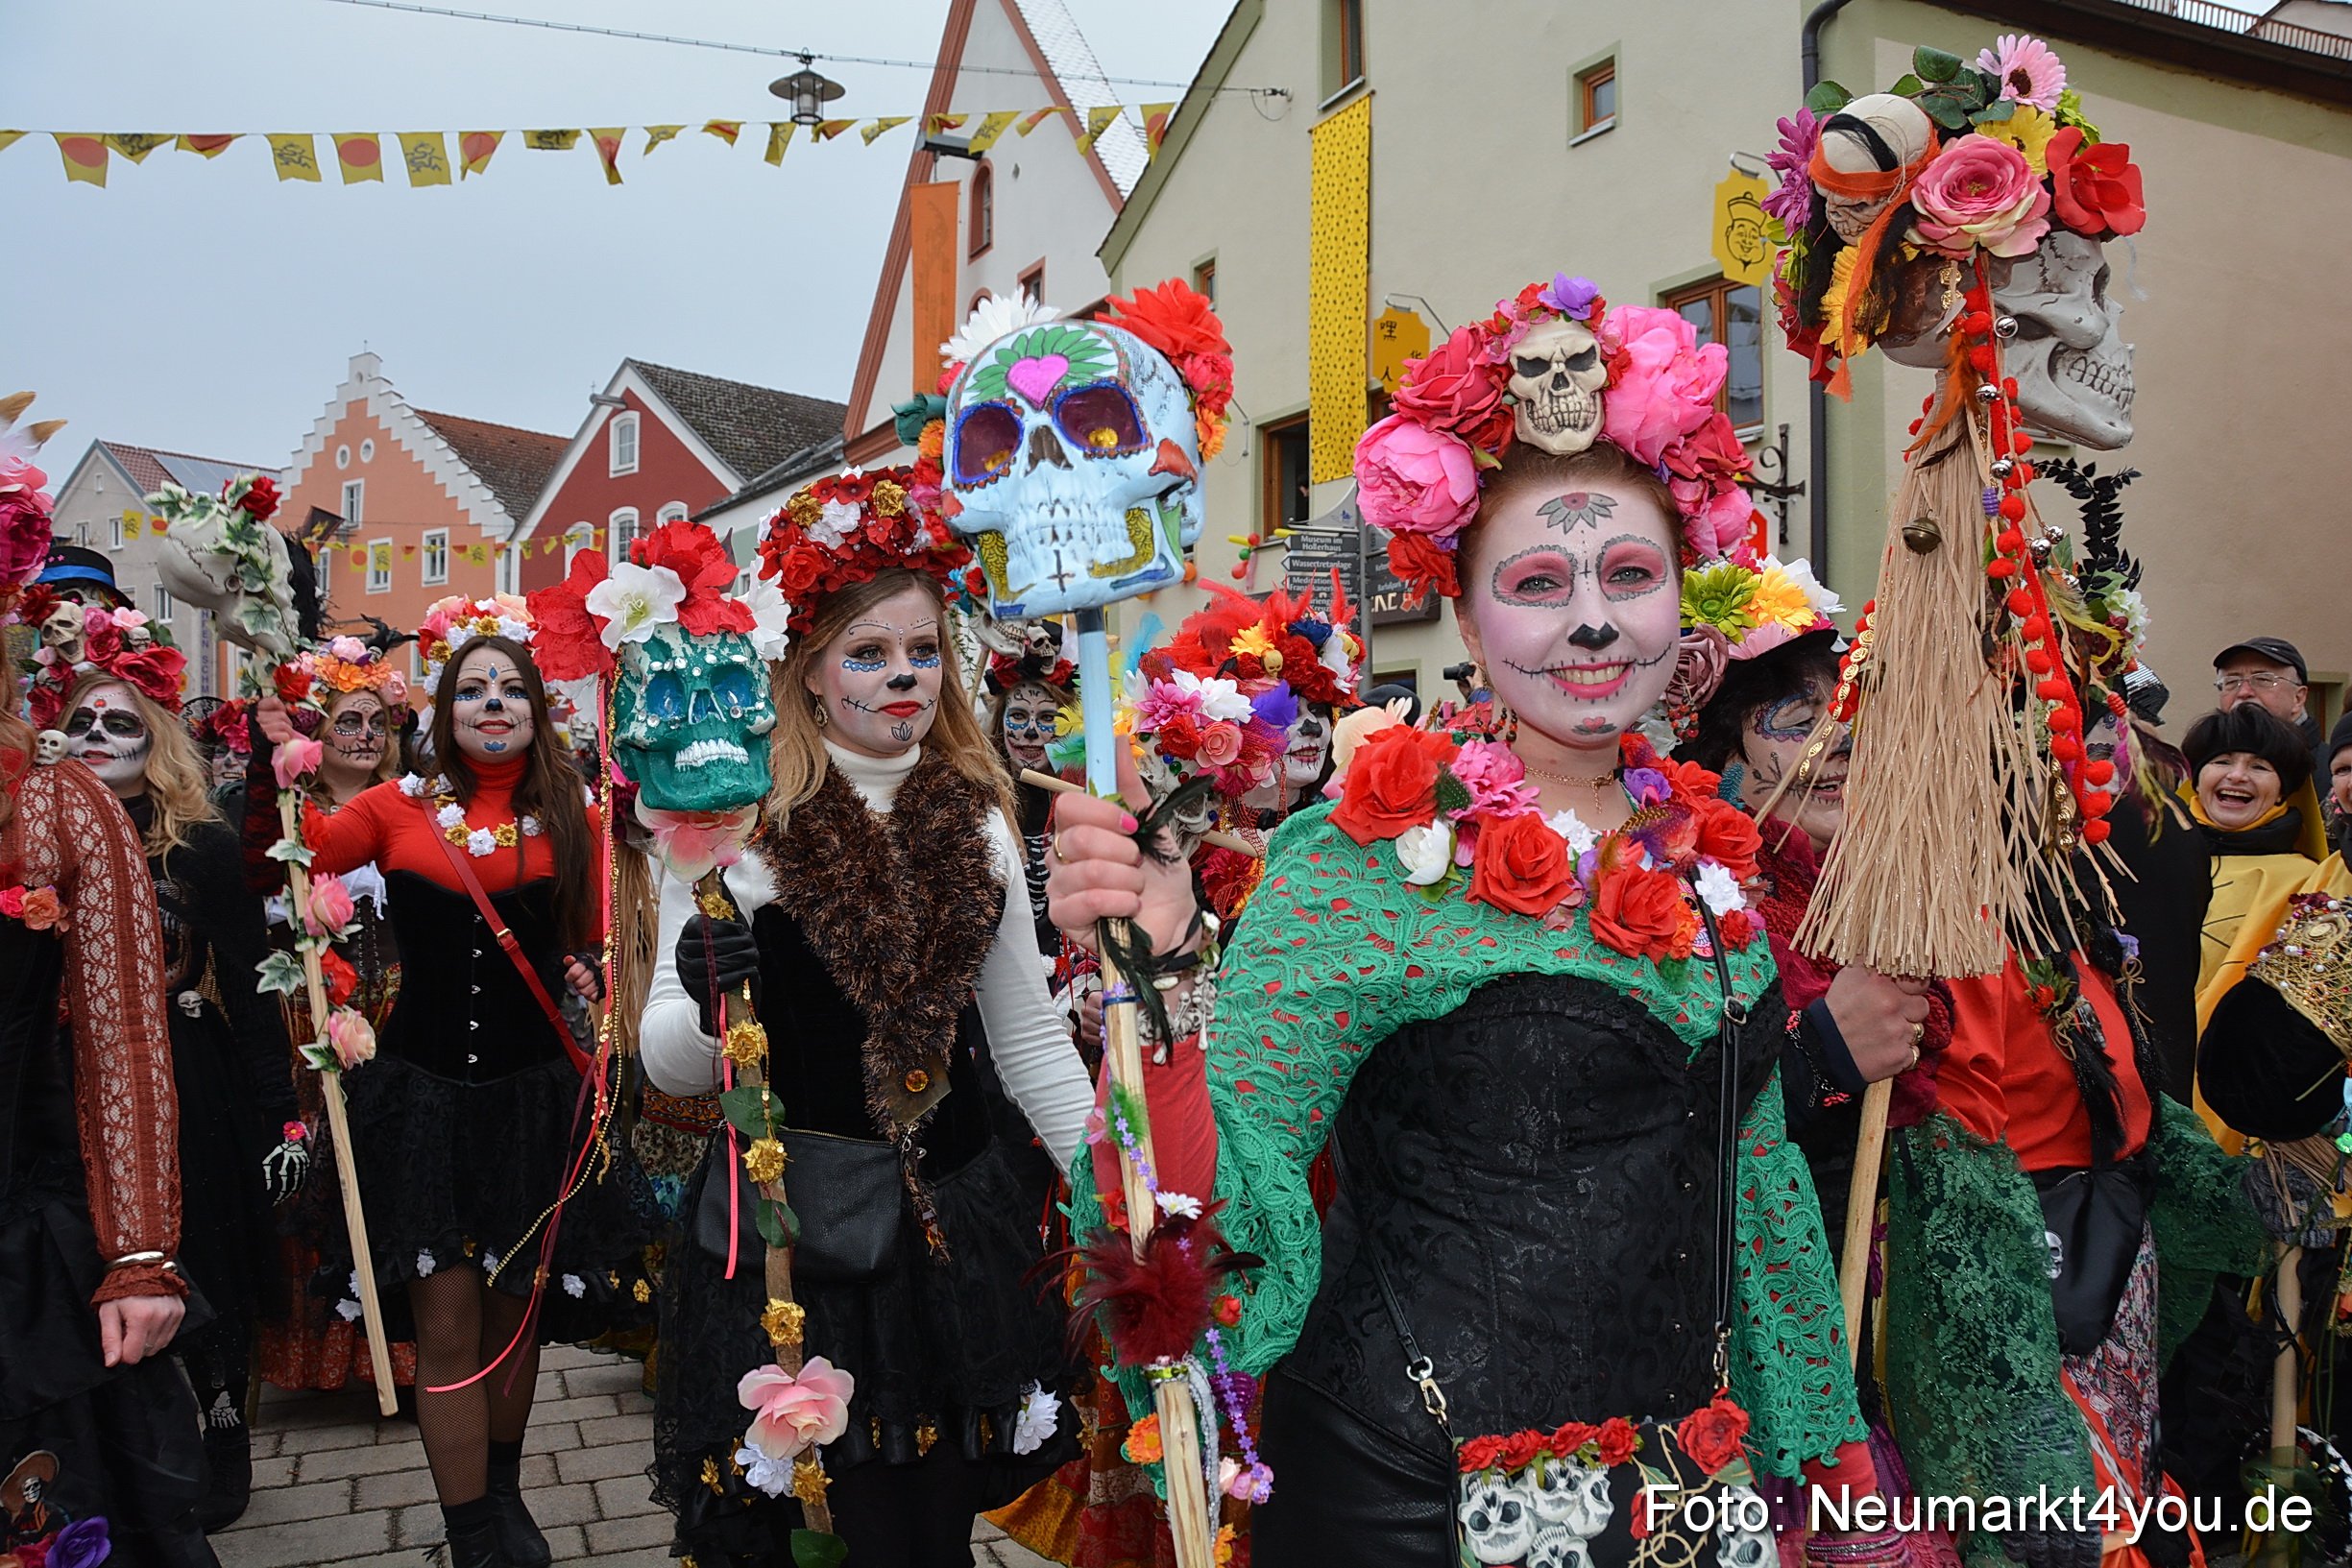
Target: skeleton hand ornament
[[287, 1167]]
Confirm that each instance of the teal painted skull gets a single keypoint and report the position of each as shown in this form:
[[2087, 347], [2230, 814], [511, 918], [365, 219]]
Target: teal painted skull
[[691, 717]]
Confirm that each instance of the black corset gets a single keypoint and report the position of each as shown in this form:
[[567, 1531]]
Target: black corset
[[1539, 1170], [464, 1011]]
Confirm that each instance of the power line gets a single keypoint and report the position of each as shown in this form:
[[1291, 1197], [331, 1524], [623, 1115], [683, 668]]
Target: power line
[[805, 55]]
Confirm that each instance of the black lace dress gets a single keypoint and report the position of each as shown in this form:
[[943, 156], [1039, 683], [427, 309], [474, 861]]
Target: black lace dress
[[1541, 1170]]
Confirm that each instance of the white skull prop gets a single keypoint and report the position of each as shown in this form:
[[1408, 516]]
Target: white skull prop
[[1072, 458], [1495, 1521], [62, 634], [221, 559], [138, 635], [1875, 134], [1736, 1545], [1556, 1547], [49, 746], [2072, 365], [1557, 373], [1570, 1494]]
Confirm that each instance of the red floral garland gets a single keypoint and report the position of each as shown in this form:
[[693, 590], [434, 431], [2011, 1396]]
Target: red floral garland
[[570, 643], [899, 524]]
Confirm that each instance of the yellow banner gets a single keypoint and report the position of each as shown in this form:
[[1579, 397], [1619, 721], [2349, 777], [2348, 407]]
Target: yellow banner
[[877, 127], [608, 151], [992, 126], [1097, 121], [725, 131], [297, 157], [550, 141], [656, 134], [779, 137], [1741, 249], [477, 555], [381, 557], [1339, 286], [475, 148], [135, 145], [427, 155], [134, 525], [361, 156], [1155, 119], [202, 146], [827, 129], [9, 138], [84, 156]]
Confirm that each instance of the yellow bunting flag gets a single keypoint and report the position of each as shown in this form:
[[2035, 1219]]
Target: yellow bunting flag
[[934, 124], [359, 555], [725, 131], [408, 552], [827, 129], [159, 525], [381, 557], [9, 138], [206, 146], [477, 555], [550, 141], [134, 525], [779, 137], [1155, 119], [607, 150], [85, 156], [361, 156], [656, 134], [877, 127], [427, 155], [1097, 121], [473, 150], [135, 145], [991, 128], [1031, 122], [297, 157]]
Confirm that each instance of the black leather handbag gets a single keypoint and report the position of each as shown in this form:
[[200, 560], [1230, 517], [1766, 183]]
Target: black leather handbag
[[2093, 1221], [845, 1192]]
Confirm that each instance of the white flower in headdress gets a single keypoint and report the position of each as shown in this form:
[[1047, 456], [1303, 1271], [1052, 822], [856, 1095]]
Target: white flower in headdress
[[513, 630], [1179, 1205], [774, 1477], [991, 318], [1801, 573], [634, 600], [1719, 889], [836, 521], [1571, 827], [771, 614], [1040, 1418], [1219, 698]]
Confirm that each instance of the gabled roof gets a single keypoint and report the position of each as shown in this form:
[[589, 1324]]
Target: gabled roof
[[513, 462], [806, 464], [151, 469], [753, 428], [1071, 74], [1190, 111]]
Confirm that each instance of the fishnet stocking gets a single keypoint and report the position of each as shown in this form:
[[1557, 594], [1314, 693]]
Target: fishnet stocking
[[461, 1325]]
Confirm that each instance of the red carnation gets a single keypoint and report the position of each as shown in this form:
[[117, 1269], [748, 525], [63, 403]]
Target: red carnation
[[567, 645], [1179, 737], [2095, 189], [1641, 914], [1520, 865], [1420, 564], [1174, 317], [1391, 783], [1455, 390], [1618, 1440], [260, 501], [1738, 928], [1712, 1437]]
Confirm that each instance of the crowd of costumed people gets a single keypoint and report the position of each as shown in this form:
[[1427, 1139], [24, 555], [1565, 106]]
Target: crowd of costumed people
[[1727, 1089]]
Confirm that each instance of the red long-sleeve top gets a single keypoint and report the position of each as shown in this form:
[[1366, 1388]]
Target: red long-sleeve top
[[2005, 1077], [397, 830]]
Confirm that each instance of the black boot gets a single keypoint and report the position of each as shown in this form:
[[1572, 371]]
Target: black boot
[[519, 1536], [229, 1462], [474, 1531]]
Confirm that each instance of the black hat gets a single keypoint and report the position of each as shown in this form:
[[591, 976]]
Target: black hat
[[2277, 649], [2340, 737], [77, 571]]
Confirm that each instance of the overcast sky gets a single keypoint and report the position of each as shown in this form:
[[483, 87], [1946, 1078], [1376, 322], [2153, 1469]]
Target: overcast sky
[[203, 306]]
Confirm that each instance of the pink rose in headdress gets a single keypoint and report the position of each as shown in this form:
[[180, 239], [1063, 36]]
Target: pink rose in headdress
[[1980, 192], [1413, 479], [1496, 777], [1662, 382], [791, 1414]]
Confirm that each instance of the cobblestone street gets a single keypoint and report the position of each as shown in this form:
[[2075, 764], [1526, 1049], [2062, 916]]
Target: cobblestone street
[[334, 1484]]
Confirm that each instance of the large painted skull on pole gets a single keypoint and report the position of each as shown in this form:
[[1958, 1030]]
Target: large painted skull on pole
[[1073, 462], [691, 717]]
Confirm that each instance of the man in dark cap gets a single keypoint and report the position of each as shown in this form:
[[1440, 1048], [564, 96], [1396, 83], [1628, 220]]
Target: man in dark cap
[[2271, 670]]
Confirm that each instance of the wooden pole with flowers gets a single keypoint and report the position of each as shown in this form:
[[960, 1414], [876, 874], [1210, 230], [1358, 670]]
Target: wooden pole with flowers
[[666, 610]]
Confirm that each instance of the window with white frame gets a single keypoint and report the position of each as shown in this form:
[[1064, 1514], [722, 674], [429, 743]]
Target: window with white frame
[[164, 609], [379, 566], [355, 501], [620, 532], [116, 534], [436, 556], [322, 564], [623, 444], [510, 569], [577, 537], [675, 511]]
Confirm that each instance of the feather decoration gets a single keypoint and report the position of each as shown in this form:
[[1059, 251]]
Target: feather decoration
[[1156, 1308]]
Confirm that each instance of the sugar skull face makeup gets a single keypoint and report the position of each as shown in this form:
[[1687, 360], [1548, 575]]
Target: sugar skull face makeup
[[107, 735], [491, 710], [1570, 606], [358, 732], [878, 682], [1310, 744], [1030, 711], [1773, 744]]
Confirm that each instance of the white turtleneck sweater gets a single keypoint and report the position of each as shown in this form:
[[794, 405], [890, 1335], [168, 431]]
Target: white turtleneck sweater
[[1028, 1042]]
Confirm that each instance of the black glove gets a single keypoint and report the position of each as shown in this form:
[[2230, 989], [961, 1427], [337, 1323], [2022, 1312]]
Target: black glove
[[714, 957]]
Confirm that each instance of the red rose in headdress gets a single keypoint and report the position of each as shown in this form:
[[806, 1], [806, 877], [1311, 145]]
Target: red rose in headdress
[[1455, 389], [260, 500], [2095, 189], [703, 565], [1519, 865], [1729, 834], [1642, 914], [1421, 566], [1391, 783], [155, 670]]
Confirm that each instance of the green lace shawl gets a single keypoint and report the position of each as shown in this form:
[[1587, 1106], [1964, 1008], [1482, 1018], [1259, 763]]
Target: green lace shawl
[[1972, 1377], [1334, 953]]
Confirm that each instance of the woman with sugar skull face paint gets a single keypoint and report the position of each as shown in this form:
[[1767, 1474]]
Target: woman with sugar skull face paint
[[891, 951], [1520, 947], [463, 1119]]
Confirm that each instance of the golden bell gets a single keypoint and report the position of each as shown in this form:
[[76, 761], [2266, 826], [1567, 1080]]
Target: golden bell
[[1923, 536]]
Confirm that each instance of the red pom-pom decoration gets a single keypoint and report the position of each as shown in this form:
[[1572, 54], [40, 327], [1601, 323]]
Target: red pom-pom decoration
[[2020, 602], [2037, 627], [2066, 748], [2098, 803], [2023, 445], [2013, 507], [2099, 772], [2065, 721], [2001, 570], [2038, 660], [2054, 689], [2096, 831], [2009, 541]]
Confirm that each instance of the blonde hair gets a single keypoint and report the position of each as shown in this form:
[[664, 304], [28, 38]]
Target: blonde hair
[[176, 785], [797, 755]]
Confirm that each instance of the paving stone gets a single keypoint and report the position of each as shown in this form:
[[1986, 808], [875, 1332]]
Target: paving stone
[[553, 1505], [269, 1473], [618, 1428], [575, 1410], [622, 1534], [395, 1488], [418, 1525], [625, 1497], [322, 1439], [564, 1357], [551, 1437], [652, 1556], [600, 1463], [265, 1443], [304, 1542], [363, 1461], [285, 1504], [568, 1544], [605, 1377]]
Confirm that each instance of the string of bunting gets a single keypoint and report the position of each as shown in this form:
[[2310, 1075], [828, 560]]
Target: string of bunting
[[379, 554], [435, 157]]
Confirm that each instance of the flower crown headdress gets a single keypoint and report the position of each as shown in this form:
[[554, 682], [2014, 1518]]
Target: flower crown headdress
[[25, 501], [122, 644], [451, 623], [1007, 670], [851, 527], [680, 575], [345, 663], [1637, 377], [1281, 638]]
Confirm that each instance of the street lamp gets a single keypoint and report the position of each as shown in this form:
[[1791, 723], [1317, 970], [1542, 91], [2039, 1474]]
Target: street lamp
[[807, 93]]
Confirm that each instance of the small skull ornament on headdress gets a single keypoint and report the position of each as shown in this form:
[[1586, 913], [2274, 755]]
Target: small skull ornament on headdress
[[1876, 134], [690, 715], [1073, 461], [62, 633], [49, 747], [1556, 374]]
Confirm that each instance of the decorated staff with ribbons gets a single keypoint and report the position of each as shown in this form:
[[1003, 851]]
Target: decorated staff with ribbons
[[2055, 1221], [1504, 951], [881, 1117], [98, 1430], [497, 1213]]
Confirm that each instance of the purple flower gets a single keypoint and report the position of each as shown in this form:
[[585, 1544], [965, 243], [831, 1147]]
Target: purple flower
[[1793, 202], [82, 1544], [1648, 786], [2130, 945], [1571, 297], [1278, 705]]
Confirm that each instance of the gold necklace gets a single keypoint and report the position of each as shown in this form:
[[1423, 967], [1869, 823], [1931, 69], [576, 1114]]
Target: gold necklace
[[1603, 782]]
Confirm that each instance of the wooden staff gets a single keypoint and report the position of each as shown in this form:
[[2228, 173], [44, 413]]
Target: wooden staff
[[745, 1043], [1217, 836], [1861, 1208], [338, 1123]]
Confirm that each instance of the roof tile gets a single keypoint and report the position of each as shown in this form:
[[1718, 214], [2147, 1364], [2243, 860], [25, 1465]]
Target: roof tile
[[514, 464], [751, 428]]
